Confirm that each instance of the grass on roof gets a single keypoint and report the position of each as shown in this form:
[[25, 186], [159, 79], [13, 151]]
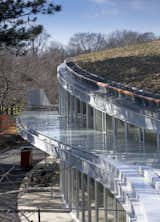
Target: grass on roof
[[137, 65]]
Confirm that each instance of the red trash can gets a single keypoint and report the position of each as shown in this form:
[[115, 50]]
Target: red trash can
[[26, 158]]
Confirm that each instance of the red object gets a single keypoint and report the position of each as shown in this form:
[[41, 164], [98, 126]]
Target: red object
[[26, 158], [4, 122]]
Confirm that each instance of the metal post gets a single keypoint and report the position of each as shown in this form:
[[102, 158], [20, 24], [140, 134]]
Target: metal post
[[67, 104], [89, 198], [63, 101], [75, 107], [69, 183], [64, 181], [105, 204], [96, 201], [59, 90], [115, 211], [126, 136], [70, 187], [104, 122], [114, 132], [143, 136], [73, 189], [83, 206], [39, 216], [71, 106], [87, 115], [77, 194], [60, 182], [94, 118], [104, 129], [158, 143], [52, 182], [81, 113]]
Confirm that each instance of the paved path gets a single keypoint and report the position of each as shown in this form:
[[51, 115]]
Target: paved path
[[11, 177], [39, 195]]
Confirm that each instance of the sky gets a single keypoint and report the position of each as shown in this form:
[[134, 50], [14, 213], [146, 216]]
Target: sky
[[102, 16]]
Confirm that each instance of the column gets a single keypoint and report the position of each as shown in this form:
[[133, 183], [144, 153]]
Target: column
[[75, 107], [83, 205], [105, 205], [158, 143], [115, 211], [59, 93], [69, 187], [89, 198], [96, 201], [104, 122], [60, 176], [87, 116], [77, 194], [114, 133], [104, 127], [142, 139], [126, 136], [71, 106], [94, 118], [81, 113]]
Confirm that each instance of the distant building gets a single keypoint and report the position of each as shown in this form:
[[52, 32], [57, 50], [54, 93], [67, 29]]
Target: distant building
[[107, 140]]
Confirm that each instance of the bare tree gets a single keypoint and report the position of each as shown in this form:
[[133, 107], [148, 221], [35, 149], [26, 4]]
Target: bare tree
[[125, 38], [38, 45], [9, 82], [18, 74], [86, 42]]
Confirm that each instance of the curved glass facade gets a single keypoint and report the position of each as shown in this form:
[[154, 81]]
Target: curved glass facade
[[108, 147]]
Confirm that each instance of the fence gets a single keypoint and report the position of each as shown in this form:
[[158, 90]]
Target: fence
[[11, 110]]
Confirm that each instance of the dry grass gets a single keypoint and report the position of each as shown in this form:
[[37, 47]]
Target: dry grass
[[137, 65]]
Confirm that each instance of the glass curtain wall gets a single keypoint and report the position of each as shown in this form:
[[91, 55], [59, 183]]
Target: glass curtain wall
[[89, 200]]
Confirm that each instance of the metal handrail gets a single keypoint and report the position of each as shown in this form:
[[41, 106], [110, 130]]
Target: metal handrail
[[132, 92]]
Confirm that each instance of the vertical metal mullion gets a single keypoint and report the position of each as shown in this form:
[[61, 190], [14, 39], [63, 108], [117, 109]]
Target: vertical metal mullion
[[126, 136], [105, 204], [87, 115], [70, 188], [75, 107], [59, 93], [94, 118], [114, 132], [81, 113], [143, 136], [158, 143], [96, 201], [115, 211], [104, 129], [82, 187], [77, 192], [89, 198]]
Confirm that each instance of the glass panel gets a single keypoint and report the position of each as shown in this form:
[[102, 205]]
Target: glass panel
[[134, 144], [100, 203], [90, 111], [98, 120], [121, 214], [120, 136], [80, 197], [92, 188], [110, 207], [150, 141], [109, 131], [85, 198]]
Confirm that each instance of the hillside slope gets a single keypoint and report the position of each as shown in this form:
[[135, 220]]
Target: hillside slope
[[137, 65]]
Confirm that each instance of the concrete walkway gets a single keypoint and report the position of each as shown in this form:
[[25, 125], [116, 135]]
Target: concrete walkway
[[37, 194]]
